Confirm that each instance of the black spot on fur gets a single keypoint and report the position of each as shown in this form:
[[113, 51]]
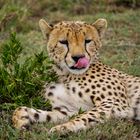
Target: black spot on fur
[[80, 94], [93, 87], [89, 80], [59, 109], [112, 83], [102, 96], [115, 93], [84, 78], [85, 84], [98, 85], [104, 89], [92, 99], [36, 116], [92, 120], [73, 89], [98, 75], [87, 90], [122, 95], [118, 109], [64, 113], [50, 94], [92, 114], [109, 93], [93, 92], [92, 76], [52, 87], [101, 80], [48, 118], [108, 86], [98, 98], [84, 120], [135, 113], [118, 87], [103, 74]]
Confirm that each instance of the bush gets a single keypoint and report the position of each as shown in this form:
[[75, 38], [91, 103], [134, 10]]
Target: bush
[[21, 83]]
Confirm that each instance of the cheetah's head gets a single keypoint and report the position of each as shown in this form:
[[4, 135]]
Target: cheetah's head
[[73, 45]]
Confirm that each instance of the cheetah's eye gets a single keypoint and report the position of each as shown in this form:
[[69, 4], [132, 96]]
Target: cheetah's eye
[[87, 41], [65, 42]]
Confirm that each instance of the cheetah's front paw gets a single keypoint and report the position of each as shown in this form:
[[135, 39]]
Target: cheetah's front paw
[[62, 129], [21, 118]]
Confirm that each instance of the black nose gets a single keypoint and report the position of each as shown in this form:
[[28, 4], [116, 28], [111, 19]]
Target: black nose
[[77, 57]]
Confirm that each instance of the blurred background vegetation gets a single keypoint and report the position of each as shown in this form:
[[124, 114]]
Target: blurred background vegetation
[[24, 63], [22, 16], [19, 15]]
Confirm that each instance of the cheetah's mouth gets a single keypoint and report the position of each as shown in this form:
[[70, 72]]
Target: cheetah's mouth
[[82, 63], [75, 68]]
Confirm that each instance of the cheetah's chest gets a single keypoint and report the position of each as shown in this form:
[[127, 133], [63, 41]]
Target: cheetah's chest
[[87, 90]]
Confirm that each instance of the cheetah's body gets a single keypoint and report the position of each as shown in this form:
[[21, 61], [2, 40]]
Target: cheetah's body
[[102, 92]]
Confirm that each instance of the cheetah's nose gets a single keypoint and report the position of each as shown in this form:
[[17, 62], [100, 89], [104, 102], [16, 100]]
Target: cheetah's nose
[[77, 57]]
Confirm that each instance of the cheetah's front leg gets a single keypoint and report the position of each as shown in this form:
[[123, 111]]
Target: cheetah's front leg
[[90, 118], [23, 117]]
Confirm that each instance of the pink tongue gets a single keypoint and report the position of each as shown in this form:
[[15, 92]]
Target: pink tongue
[[82, 63]]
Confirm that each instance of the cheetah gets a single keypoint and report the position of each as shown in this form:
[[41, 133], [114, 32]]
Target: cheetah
[[84, 82]]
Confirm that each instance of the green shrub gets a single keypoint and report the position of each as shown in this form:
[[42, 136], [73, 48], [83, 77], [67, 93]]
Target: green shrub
[[21, 83]]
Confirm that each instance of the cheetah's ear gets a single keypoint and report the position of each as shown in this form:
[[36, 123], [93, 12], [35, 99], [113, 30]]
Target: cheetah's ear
[[45, 28], [100, 25]]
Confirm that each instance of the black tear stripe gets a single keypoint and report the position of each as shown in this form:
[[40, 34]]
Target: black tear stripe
[[66, 54], [86, 50], [76, 36]]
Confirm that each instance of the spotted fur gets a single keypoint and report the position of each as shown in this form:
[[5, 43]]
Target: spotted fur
[[102, 92]]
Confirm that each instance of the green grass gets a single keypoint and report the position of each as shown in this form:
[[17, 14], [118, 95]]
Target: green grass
[[23, 71], [111, 130]]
